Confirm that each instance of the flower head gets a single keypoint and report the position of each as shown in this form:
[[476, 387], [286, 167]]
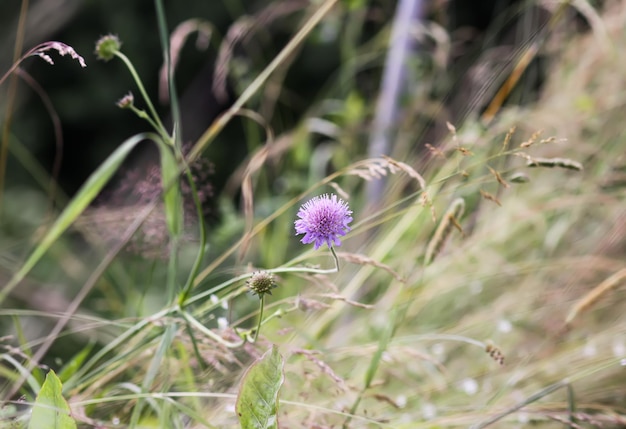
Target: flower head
[[323, 219], [107, 46], [261, 283]]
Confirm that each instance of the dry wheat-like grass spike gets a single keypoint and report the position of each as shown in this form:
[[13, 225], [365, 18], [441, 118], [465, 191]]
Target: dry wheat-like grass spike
[[377, 168], [554, 162], [449, 221], [507, 138], [499, 177], [365, 260], [452, 130], [595, 294], [339, 191], [494, 352], [435, 151], [490, 197], [323, 366], [533, 138], [342, 298], [397, 165]]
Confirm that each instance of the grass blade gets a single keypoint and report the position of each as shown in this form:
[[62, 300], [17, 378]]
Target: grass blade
[[79, 203]]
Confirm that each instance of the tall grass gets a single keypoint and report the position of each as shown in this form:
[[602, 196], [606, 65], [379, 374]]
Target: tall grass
[[483, 289]]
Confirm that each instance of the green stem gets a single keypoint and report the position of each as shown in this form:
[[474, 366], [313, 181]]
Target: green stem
[[258, 326], [143, 115], [332, 250], [173, 96], [199, 297], [160, 128], [186, 292]]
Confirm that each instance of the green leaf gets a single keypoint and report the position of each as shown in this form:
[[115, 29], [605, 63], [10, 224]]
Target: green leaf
[[70, 368], [172, 199], [51, 410], [257, 402]]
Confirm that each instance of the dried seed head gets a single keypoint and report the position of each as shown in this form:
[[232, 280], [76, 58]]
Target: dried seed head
[[570, 164], [494, 352], [107, 46], [61, 48], [261, 283], [449, 221]]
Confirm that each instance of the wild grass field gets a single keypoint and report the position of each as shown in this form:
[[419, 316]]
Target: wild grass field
[[470, 275]]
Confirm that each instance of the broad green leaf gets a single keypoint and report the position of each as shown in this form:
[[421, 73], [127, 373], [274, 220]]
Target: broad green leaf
[[51, 410], [257, 402], [79, 203]]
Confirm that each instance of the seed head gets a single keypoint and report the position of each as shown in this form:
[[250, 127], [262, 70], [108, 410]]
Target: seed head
[[323, 219], [261, 283], [107, 46], [63, 49]]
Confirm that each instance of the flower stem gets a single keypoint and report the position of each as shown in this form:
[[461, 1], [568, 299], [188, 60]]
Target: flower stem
[[143, 115], [332, 250], [258, 326], [160, 128]]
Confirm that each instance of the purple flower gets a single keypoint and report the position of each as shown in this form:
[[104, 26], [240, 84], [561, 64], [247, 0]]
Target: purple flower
[[323, 219]]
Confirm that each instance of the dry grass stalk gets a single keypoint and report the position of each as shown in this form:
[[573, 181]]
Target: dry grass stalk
[[533, 138], [347, 301], [397, 165], [464, 151], [247, 188], [308, 304], [435, 151], [339, 190], [507, 139], [177, 41], [377, 168], [358, 259], [384, 398], [42, 51], [490, 197], [368, 169], [499, 177], [595, 294], [452, 130], [494, 352], [242, 31], [326, 369], [443, 231], [427, 202], [555, 162]]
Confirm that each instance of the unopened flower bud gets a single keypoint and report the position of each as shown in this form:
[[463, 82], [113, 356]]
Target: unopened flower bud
[[107, 46], [126, 101]]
